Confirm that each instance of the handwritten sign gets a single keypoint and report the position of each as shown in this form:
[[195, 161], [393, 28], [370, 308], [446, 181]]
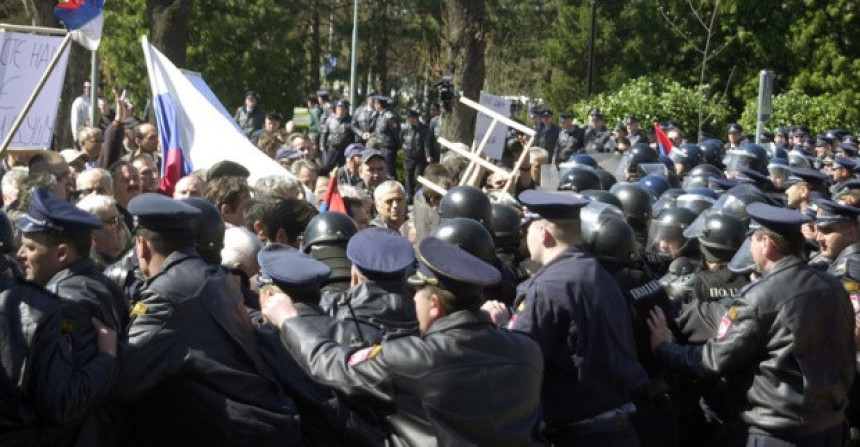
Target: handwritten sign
[[496, 144], [23, 60]]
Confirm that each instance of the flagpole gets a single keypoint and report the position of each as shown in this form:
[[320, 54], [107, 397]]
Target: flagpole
[[94, 89], [20, 119]]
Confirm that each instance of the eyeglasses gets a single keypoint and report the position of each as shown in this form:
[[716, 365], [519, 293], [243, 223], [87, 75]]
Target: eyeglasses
[[112, 221], [88, 191]]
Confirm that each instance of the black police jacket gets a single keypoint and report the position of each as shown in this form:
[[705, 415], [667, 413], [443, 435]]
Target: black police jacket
[[415, 142], [789, 339], [569, 142], [386, 131], [837, 267], [192, 371], [579, 317], [373, 310], [41, 389], [464, 382]]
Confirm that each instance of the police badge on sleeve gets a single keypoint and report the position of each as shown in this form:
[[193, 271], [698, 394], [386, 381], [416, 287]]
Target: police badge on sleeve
[[726, 323]]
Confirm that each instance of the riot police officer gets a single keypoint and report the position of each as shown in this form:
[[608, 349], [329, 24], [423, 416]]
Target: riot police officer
[[405, 376], [467, 201], [579, 179], [634, 133], [636, 203], [325, 239], [769, 342]]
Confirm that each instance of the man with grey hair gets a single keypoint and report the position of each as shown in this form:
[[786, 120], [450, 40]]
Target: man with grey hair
[[278, 186], [240, 251], [109, 241], [390, 202], [94, 181], [189, 186], [306, 172], [11, 184], [91, 141]]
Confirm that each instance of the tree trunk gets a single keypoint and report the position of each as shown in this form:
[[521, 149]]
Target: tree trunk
[[315, 51], [168, 27], [466, 37]]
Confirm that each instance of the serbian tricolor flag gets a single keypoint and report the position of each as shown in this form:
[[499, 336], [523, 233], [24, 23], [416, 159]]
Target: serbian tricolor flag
[[333, 200], [663, 141], [84, 20], [194, 134]]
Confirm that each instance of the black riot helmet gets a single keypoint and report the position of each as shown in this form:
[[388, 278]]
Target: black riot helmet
[[699, 176], [666, 234], [606, 179], [609, 238], [603, 197], [8, 246], [331, 228], [506, 224], [469, 235], [469, 202], [720, 236], [208, 230], [712, 152], [750, 155], [639, 153], [636, 203], [579, 179]]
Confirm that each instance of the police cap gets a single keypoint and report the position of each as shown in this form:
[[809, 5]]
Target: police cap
[[546, 113], [412, 113], [830, 213], [631, 119], [322, 93], [50, 213], [287, 152], [252, 94], [842, 162], [342, 103], [380, 252], [780, 220], [450, 267], [565, 115], [550, 205], [534, 112], [384, 100], [354, 150], [153, 211], [287, 267], [848, 148], [814, 177], [735, 128]]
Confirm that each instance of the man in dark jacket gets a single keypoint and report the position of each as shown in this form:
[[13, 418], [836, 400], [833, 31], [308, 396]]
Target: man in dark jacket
[[250, 117], [428, 384], [787, 342], [191, 371], [416, 155]]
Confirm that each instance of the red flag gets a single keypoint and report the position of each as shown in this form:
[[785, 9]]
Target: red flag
[[332, 200], [663, 141]]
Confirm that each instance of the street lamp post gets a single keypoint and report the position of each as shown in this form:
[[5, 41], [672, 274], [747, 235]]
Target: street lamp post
[[354, 58]]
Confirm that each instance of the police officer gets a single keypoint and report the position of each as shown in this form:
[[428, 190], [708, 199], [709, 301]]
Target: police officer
[[735, 131], [250, 117], [325, 239], [590, 379], [837, 232], [769, 342], [191, 371], [406, 376], [801, 185], [549, 133], [596, 135], [634, 133], [415, 151], [434, 131], [840, 173], [377, 303], [362, 119], [326, 419], [570, 139], [335, 136], [386, 133], [469, 202], [55, 254]]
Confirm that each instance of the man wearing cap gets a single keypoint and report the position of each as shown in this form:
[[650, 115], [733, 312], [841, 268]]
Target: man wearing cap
[[597, 135], [55, 254], [576, 312], [841, 172], [349, 174], [250, 117], [535, 117], [378, 303], [191, 372], [771, 342], [386, 133], [270, 134], [837, 232], [570, 139], [324, 418], [335, 136], [362, 119], [426, 386], [416, 155], [734, 135], [325, 104], [634, 133], [549, 132], [372, 170], [800, 186]]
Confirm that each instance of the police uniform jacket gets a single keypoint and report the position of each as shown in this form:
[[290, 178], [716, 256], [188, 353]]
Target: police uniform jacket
[[434, 131], [450, 386], [362, 121], [637, 137], [579, 317], [789, 338], [569, 142], [386, 131], [415, 142], [548, 138], [374, 309], [850, 252], [250, 121], [40, 386], [335, 136], [192, 370]]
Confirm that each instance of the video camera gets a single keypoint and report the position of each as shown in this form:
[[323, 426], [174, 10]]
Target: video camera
[[443, 91]]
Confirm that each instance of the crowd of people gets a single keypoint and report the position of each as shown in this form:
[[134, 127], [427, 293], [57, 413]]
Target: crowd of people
[[703, 297]]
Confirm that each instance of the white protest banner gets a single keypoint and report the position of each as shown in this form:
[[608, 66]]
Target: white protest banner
[[23, 60], [496, 143]]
